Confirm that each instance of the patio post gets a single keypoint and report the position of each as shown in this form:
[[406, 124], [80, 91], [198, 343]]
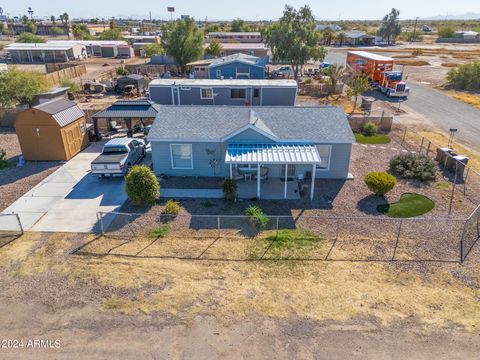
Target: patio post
[[285, 189], [231, 173], [312, 190], [258, 181]]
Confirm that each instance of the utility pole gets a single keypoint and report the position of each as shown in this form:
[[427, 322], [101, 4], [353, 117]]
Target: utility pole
[[415, 30]]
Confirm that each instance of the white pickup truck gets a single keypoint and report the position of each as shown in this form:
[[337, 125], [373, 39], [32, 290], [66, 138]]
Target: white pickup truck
[[118, 156]]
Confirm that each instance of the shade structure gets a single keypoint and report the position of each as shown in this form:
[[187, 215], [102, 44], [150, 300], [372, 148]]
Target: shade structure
[[272, 154]]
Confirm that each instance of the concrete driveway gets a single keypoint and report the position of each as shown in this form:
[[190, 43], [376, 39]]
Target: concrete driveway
[[69, 199]]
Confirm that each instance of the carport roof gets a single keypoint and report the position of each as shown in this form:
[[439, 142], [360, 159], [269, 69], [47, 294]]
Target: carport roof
[[129, 109]]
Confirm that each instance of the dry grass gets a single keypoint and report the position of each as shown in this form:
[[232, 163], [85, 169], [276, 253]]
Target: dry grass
[[403, 56], [470, 99], [412, 62], [450, 65], [321, 291]]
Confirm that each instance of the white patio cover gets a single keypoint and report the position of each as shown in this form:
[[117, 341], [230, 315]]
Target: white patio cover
[[272, 154]]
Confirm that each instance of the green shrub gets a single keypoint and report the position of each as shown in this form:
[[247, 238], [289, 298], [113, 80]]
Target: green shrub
[[370, 128], [309, 81], [380, 183], [3, 159], [159, 232], [172, 207], [257, 217], [465, 77], [73, 86], [446, 32], [229, 188], [413, 166], [142, 186], [121, 71], [417, 52]]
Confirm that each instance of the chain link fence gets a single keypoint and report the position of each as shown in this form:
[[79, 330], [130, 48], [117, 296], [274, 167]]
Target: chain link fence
[[243, 238], [471, 234], [10, 228]]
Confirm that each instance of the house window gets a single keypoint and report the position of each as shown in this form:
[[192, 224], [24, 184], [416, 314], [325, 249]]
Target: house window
[[219, 73], [181, 155], [325, 152], [238, 93], [206, 93]]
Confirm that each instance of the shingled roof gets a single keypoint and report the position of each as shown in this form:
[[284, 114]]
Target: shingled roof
[[213, 123]]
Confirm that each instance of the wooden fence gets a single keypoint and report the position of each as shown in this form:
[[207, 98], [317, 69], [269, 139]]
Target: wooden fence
[[56, 77], [384, 123], [319, 89]]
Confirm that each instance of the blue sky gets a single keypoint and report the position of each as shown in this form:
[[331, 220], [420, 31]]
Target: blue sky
[[245, 9]]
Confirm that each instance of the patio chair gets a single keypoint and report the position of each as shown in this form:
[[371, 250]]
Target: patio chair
[[236, 174], [264, 173]]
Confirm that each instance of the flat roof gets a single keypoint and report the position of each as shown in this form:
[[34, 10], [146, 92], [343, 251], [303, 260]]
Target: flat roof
[[231, 33], [226, 82], [88, 42], [245, 46], [371, 56], [39, 46]]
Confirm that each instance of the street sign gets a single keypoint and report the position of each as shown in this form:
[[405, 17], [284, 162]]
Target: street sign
[[170, 9]]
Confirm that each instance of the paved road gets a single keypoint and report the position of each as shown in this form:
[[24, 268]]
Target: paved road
[[441, 109]]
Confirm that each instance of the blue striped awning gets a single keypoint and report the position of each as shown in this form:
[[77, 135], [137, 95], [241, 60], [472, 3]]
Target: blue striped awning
[[272, 154]]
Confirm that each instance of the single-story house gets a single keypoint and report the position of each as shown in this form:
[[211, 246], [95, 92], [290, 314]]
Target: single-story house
[[100, 48], [55, 130], [223, 92], [125, 112], [289, 144], [360, 39], [235, 37], [255, 49], [199, 68], [21, 53], [237, 66]]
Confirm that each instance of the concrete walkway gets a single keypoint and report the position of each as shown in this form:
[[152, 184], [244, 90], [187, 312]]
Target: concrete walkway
[[69, 199]]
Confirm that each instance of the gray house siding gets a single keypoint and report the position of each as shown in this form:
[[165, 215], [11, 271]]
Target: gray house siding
[[231, 71], [278, 96], [162, 164], [191, 95]]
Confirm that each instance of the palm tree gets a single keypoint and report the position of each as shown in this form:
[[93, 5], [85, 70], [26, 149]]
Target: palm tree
[[341, 38], [64, 19], [53, 20], [336, 73], [328, 36]]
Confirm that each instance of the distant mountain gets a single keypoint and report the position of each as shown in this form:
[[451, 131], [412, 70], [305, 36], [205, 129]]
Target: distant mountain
[[466, 16]]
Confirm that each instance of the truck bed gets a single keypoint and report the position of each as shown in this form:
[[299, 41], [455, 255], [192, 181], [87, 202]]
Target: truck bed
[[109, 158]]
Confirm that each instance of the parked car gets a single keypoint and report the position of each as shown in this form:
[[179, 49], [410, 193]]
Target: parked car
[[118, 156], [426, 28], [284, 72]]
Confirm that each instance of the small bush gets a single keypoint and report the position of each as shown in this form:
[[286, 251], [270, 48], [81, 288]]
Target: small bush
[[370, 128], [172, 207], [3, 159], [121, 71], [446, 32], [380, 183], [413, 166], [142, 186], [229, 188], [308, 81], [73, 87], [257, 217], [160, 231]]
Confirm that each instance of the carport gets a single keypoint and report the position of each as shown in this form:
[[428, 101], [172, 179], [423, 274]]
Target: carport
[[126, 112]]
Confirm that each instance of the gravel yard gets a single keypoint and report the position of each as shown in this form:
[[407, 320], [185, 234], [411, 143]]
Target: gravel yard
[[15, 181]]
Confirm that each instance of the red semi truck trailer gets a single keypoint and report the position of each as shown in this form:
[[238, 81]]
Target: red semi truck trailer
[[380, 73]]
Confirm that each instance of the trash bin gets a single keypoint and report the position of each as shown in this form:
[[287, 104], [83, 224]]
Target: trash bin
[[462, 162], [367, 103], [442, 155], [450, 162]]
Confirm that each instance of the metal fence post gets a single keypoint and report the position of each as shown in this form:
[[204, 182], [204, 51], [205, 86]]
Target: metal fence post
[[461, 241], [399, 232], [428, 147], [465, 181], [218, 225], [276, 234], [453, 189], [100, 220], [421, 145], [404, 136], [20, 223]]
